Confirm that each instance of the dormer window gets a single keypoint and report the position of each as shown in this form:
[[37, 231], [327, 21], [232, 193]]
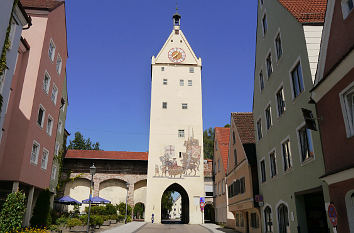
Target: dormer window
[[264, 24]]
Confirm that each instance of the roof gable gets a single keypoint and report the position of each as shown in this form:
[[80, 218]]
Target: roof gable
[[176, 40], [306, 11], [222, 137], [245, 126], [41, 4], [109, 155]]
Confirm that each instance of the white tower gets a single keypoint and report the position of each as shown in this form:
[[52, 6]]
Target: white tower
[[176, 128]]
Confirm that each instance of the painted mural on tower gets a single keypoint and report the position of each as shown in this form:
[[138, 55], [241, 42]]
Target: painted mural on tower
[[171, 166]]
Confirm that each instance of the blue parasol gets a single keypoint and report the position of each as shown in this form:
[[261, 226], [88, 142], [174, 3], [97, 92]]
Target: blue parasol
[[68, 201], [96, 200]]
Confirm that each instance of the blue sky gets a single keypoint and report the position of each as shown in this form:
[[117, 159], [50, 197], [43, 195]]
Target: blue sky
[[111, 43]]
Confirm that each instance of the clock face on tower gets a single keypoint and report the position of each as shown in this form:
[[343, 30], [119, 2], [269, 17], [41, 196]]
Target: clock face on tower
[[176, 55]]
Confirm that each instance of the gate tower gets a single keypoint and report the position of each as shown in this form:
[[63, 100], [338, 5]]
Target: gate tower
[[176, 128]]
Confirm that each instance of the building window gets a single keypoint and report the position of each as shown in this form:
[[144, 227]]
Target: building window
[[54, 172], [164, 82], [347, 103], [46, 82], [268, 219], [283, 219], [297, 82], [263, 171], [261, 80], [164, 105], [347, 7], [54, 94], [191, 69], [56, 149], [44, 161], [278, 46], [242, 185], [51, 51], [273, 164], [264, 24], [35, 153], [162, 68], [235, 156], [181, 82], [269, 65], [286, 155], [59, 64], [259, 129], [181, 133], [190, 83], [184, 106], [40, 118], [268, 116], [49, 125], [280, 102], [254, 220], [305, 144], [60, 125]]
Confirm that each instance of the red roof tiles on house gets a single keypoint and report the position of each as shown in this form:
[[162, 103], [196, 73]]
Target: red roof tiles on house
[[111, 155], [245, 126], [222, 137], [41, 4], [306, 11]]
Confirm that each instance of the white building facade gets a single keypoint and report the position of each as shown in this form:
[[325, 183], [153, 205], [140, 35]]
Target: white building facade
[[175, 160]]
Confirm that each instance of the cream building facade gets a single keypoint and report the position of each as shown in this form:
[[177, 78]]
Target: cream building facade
[[176, 128]]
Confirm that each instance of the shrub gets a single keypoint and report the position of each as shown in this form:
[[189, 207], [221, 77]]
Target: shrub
[[100, 210], [129, 218], [113, 217], [121, 218], [121, 208], [41, 209], [74, 222], [110, 209], [62, 220], [96, 220], [12, 212]]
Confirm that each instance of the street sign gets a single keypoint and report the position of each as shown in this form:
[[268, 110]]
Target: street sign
[[332, 214], [202, 203]]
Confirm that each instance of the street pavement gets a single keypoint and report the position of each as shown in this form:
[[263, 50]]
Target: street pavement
[[173, 228], [142, 227]]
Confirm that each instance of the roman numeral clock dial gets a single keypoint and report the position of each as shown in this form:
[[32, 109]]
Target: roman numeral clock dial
[[176, 55]]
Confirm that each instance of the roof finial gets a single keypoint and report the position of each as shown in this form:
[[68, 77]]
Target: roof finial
[[176, 18], [176, 6]]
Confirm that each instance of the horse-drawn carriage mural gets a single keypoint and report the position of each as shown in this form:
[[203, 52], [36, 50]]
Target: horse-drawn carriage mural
[[187, 164]]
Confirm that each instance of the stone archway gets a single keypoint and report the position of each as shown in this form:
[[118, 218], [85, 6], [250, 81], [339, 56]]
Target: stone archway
[[184, 204], [114, 190]]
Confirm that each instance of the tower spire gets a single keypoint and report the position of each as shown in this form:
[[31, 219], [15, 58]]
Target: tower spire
[[176, 18]]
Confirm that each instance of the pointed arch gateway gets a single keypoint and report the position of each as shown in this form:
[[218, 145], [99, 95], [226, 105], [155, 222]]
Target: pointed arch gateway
[[185, 202]]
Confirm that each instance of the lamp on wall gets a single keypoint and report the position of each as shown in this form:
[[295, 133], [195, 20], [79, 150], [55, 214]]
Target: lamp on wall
[[92, 172]]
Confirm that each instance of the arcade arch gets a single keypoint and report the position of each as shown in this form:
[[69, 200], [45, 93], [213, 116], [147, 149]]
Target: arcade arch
[[185, 203]]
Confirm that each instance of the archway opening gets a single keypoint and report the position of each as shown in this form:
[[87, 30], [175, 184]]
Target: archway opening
[[209, 214], [175, 205], [139, 211]]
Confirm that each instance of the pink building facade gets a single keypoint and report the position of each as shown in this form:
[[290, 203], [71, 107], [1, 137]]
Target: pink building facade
[[29, 131]]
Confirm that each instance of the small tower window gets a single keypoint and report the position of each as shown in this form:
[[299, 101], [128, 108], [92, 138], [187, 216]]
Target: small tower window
[[191, 69], [162, 68], [184, 106], [164, 105], [164, 81], [181, 82], [181, 133], [190, 82]]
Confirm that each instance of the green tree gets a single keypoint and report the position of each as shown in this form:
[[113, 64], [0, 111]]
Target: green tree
[[227, 126], [208, 143], [166, 203], [139, 209], [41, 209], [80, 143], [12, 212]]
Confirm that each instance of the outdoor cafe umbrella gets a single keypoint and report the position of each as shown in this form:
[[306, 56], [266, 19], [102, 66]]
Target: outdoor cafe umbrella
[[96, 200], [68, 201]]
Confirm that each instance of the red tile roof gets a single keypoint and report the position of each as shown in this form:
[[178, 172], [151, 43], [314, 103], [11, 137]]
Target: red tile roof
[[245, 126], [306, 11], [222, 136], [111, 155], [41, 4]]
